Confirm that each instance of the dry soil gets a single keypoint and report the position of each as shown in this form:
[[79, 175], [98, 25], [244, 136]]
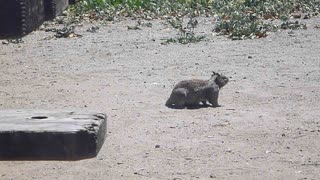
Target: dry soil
[[267, 128]]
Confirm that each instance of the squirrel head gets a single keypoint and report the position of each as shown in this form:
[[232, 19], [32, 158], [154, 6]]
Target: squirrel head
[[219, 79]]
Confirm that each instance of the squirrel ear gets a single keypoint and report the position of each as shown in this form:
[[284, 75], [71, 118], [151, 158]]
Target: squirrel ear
[[213, 73]]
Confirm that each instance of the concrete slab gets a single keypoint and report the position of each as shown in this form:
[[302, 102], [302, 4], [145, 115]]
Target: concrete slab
[[50, 135]]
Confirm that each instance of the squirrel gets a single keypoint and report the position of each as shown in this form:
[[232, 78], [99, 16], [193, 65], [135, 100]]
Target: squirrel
[[190, 93]]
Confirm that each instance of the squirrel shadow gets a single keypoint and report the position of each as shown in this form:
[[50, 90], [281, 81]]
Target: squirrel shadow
[[192, 106]]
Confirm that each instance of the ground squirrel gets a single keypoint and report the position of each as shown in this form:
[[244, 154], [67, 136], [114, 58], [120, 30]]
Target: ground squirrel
[[190, 93]]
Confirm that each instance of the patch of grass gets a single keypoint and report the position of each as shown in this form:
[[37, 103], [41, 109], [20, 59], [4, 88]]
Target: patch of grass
[[241, 19], [240, 26], [238, 19], [141, 8]]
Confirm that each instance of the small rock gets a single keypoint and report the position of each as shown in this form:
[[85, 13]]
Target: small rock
[[249, 57], [157, 146], [296, 15], [212, 176], [5, 42], [93, 29]]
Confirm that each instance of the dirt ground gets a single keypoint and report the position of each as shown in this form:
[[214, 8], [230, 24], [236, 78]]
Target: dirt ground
[[267, 128]]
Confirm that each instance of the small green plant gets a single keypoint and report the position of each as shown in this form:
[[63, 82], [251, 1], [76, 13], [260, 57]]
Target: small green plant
[[186, 34], [185, 39]]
